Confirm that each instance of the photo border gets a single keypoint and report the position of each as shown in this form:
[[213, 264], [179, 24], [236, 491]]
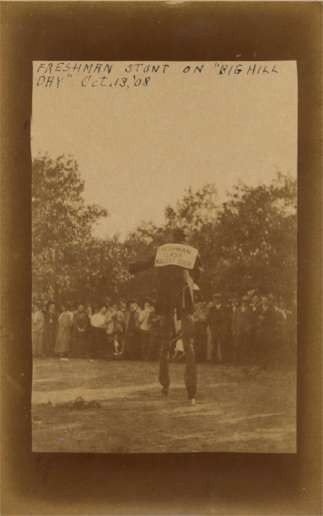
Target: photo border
[[196, 483]]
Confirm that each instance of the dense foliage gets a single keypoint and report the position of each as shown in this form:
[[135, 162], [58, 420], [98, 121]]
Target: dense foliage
[[247, 242]]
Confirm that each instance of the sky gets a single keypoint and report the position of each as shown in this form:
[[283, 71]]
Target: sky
[[139, 147]]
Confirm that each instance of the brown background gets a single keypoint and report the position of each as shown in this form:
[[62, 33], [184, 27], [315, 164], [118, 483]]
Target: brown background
[[151, 484]]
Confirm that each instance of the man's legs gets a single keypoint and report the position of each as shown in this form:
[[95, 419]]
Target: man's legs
[[219, 348], [209, 344], [166, 330], [144, 343], [190, 361]]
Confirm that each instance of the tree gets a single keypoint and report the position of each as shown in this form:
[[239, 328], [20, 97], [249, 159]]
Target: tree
[[62, 224], [247, 242], [102, 270], [196, 212], [256, 239]]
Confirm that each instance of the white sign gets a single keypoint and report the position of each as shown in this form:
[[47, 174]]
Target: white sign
[[176, 254]]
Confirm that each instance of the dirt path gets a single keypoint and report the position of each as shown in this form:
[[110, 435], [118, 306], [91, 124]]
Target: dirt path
[[100, 394], [236, 410]]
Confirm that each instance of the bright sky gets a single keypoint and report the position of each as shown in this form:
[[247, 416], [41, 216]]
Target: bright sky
[[139, 148]]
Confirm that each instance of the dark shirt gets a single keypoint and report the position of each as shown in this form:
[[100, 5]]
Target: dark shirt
[[50, 323], [240, 323], [80, 322], [219, 320], [172, 291], [132, 322]]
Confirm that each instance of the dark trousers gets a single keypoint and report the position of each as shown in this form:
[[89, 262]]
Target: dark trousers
[[80, 345], [133, 345], [219, 347], [241, 343], [99, 348], [49, 341], [190, 375], [145, 344]]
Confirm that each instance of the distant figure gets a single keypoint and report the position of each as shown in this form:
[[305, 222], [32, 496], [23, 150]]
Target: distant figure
[[254, 349], [292, 333], [218, 321], [109, 330], [120, 327], [64, 332], [89, 310], [145, 323], [81, 325], [240, 327], [38, 324], [268, 334], [200, 333], [178, 266], [98, 331], [132, 337], [235, 330], [50, 329]]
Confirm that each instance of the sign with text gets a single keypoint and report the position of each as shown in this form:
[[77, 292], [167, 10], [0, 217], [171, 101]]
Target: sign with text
[[176, 254]]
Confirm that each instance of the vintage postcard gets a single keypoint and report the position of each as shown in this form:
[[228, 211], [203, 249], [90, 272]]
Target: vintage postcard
[[164, 258]]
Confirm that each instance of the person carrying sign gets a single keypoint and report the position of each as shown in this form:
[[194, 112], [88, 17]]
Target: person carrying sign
[[178, 267]]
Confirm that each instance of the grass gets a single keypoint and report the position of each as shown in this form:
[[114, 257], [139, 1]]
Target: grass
[[238, 409]]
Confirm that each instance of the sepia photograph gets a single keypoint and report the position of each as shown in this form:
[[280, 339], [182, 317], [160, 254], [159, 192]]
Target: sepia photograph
[[164, 256]]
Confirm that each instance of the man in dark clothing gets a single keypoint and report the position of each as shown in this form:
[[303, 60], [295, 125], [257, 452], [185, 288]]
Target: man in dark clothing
[[253, 350], [132, 341], [80, 328], [235, 330], [268, 334], [219, 323], [178, 266], [240, 328]]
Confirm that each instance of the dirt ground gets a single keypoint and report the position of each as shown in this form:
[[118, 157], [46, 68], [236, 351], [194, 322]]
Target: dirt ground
[[239, 409]]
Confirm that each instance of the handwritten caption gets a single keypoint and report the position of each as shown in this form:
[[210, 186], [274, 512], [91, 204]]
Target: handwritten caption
[[56, 74]]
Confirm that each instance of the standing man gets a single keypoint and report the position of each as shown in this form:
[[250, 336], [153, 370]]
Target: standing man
[[178, 266], [268, 335], [50, 329], [241, 331], [38, 324], [144, 321], [132, 331], [219, 321], [81, 324], [235, 330]]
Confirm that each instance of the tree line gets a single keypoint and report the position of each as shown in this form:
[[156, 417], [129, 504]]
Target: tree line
[[248, 241]]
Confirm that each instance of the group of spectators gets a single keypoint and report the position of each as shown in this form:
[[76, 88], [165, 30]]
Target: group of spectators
[[110, 330], [251, 329]]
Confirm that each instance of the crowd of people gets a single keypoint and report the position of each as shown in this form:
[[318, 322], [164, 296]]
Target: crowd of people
[[251, 329]]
